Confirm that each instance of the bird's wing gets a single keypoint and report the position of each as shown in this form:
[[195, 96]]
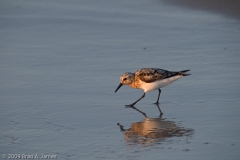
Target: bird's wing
[[149, 75]]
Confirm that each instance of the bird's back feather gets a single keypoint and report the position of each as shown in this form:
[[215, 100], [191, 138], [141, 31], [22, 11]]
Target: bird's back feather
[[149, 75]]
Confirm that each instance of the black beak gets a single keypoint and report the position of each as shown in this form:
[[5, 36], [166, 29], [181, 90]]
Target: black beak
[[120, 85]]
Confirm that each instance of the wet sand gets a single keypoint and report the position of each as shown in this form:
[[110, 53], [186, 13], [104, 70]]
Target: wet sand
[[60, 64]]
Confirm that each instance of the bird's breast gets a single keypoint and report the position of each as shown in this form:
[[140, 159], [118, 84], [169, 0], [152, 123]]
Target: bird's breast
[[136, 84]]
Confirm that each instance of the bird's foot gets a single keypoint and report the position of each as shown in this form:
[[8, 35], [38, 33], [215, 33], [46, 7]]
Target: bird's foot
[[144, 115], [161, 114], [157, 103], [129, 106]]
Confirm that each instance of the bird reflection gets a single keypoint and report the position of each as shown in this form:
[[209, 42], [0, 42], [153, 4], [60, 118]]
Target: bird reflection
[[143, 113], [153, 130]]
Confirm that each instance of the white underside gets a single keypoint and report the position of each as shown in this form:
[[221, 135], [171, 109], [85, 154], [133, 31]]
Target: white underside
[[158, 84]]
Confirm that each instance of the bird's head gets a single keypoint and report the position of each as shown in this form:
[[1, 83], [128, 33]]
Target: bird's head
[[126, 79]]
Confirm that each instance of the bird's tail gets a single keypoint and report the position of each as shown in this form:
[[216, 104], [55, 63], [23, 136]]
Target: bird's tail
[[183, 73]]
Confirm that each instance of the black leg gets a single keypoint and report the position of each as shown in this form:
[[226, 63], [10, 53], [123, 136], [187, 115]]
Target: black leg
[[137, 100], [161, 113], [159, 92]]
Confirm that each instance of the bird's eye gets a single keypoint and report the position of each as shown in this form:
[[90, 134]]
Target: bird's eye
[[125, 79]]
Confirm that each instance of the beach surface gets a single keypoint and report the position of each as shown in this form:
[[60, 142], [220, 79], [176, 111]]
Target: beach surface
[[60, 63]]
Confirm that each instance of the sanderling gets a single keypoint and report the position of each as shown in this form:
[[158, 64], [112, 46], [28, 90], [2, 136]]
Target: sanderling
[[150, 79]]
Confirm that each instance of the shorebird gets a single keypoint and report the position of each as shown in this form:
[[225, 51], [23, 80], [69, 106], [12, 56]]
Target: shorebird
[[149, 79]]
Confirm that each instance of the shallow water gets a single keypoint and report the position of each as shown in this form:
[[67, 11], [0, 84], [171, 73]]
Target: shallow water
[[61, 62]]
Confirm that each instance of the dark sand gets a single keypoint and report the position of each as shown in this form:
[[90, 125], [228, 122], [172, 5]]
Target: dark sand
[[225, 7]]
